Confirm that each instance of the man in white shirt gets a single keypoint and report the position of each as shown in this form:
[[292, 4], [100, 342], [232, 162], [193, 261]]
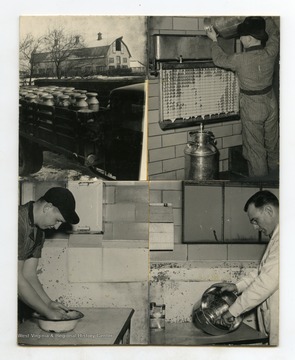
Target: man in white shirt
[[261, 287]]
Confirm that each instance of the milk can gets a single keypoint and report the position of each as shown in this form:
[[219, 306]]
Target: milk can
[[73, 98], [31, 98], [83, 92], [226, 26], [92, 101], [48, 100], [201, 156], [64, 101], [80, 102], [56, 95], [40, 95]]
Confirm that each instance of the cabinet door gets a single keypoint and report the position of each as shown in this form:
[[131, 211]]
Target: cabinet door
[[89, 197], [203, 214], [237, 227]]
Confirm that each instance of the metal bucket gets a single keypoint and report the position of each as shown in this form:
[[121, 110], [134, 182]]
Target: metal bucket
[[207, 313], [226, 26]]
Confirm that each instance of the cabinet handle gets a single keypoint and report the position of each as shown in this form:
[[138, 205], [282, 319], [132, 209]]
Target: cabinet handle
[[215, 236]]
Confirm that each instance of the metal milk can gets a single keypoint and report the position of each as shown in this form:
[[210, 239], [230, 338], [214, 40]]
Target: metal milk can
[[226, 26], [93, 103], [201, 156]]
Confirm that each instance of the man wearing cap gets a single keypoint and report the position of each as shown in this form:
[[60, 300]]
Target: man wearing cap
[[258, 106], [57, 206]]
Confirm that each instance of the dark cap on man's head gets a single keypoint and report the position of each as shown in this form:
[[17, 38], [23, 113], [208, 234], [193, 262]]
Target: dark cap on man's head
[[64, 200], [254, 26]]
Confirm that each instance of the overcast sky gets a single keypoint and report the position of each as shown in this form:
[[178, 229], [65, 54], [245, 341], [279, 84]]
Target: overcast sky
[[132, 28]]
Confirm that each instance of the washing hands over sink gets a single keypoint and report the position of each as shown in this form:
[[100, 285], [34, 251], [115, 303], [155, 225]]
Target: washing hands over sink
[[55, 311]]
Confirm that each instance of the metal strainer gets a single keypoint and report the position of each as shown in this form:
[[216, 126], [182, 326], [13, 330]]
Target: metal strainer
[[207, 313]]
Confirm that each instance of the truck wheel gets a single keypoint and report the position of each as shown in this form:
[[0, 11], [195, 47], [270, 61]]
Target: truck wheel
[[30, 158]]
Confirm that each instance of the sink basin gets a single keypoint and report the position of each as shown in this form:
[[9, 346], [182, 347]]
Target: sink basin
[[60, 326]]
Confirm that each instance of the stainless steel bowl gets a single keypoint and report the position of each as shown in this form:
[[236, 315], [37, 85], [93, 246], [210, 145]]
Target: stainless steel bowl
[[207, 313], [60, 326]]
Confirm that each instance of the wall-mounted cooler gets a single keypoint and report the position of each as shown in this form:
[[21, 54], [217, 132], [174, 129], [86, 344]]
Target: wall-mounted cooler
[[192, 89]]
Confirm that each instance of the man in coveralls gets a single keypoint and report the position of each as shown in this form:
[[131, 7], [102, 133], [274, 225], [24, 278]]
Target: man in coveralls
[[258, 106], [55, 207], [261, 287]]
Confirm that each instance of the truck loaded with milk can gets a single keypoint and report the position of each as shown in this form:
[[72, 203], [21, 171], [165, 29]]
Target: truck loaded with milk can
[[64, 120]]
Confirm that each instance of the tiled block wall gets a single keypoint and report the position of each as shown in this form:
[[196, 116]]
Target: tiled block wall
[[166, 148], [169, 192], [83, 287], [180, 285], [126, 210], [176, 25]]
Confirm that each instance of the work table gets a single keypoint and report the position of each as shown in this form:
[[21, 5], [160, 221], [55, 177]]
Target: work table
[[99, 326], [188, 334]]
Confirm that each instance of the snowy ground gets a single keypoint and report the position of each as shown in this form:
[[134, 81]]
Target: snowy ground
[[60, 168]]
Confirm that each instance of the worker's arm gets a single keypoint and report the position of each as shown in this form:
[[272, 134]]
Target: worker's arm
[[219, 57], [262, 287], [240, 286], [272, 44], [31, 292]]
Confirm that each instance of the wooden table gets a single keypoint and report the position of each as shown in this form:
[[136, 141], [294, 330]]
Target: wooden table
[[99, 326], [188, 334]]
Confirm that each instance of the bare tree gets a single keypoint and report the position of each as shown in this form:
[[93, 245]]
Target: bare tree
[[27, 48], [60, 47]]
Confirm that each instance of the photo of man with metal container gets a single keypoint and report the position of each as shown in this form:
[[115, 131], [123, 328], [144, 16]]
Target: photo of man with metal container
[[260, 288], [214, 86], [82, 263], [54, 208], [258, 104], [214, 273]]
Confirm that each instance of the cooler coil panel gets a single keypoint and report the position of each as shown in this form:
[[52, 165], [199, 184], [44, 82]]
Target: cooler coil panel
[[191, 93]]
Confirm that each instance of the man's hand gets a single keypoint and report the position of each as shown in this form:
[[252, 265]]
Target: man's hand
[[227, 318], [57, 311], [56, 315], [210, 32], [227, 287], [54, 305]]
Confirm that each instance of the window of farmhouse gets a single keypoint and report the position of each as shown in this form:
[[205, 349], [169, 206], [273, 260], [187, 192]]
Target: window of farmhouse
[[111, 60], [118, 45], [125, 60]]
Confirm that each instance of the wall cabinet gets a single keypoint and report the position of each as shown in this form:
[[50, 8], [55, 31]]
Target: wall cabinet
[[203, 214], [237, 227], [214, 212]]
